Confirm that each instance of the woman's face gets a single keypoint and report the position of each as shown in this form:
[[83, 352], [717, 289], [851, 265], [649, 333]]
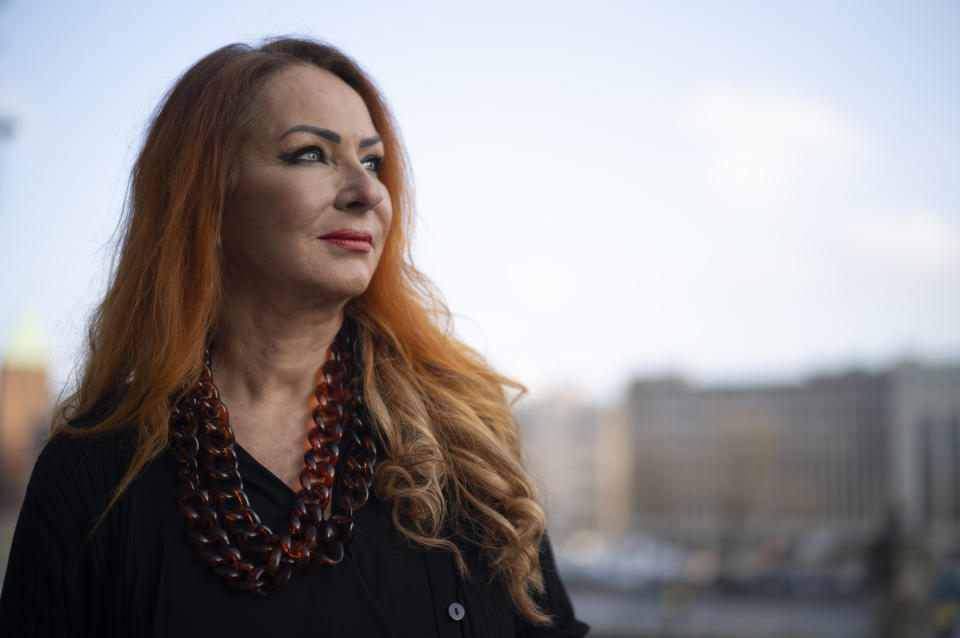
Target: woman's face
[[309, 215]]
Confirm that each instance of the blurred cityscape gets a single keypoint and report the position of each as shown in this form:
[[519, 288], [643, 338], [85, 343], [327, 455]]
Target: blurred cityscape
[[828, 507]]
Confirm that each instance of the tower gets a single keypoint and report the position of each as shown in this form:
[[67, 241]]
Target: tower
[[24, 403]]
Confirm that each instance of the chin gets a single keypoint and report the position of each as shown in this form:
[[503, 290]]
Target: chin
[[347, 288]]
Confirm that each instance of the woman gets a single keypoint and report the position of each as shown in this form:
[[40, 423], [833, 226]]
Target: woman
[[267, 238]]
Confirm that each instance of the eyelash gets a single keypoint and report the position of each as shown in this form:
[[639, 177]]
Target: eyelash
[[297, 158], [377, 161]]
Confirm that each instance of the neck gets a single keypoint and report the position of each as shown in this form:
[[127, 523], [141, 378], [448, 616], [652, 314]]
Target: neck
[[265, 354]]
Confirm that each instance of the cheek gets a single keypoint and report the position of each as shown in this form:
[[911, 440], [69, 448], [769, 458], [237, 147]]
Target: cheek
[[386, 218], [282, 205], [385, 212]]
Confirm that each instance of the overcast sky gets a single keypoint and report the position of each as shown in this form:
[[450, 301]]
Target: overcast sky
[[727, 190]]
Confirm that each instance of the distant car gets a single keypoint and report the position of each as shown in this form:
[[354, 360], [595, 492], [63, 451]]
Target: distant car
[[946, 600]]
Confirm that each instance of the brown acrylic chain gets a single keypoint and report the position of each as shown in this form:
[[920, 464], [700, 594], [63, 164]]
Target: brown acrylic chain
[[338, 468]]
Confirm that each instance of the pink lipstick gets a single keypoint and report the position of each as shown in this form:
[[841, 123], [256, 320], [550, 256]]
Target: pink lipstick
[[357, 241]]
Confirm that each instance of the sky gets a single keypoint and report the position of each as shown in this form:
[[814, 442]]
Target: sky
[[726, 191]]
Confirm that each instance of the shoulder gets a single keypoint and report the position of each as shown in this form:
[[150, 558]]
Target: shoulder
[[75, 474], [62, 570], [85, 457]]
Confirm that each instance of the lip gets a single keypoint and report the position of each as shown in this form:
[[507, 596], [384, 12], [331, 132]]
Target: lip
[[357, 241]]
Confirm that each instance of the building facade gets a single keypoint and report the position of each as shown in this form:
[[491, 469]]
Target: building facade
[[718, 466], [749, 463], [925, 463]]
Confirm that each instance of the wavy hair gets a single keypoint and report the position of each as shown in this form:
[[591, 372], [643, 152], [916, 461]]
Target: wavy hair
[[453, 466]]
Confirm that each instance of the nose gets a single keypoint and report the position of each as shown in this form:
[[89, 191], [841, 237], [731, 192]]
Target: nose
[[360, 190]]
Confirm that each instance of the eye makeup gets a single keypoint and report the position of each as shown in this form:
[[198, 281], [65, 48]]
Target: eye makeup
[[314, 154], [374, 163], [305, 155]]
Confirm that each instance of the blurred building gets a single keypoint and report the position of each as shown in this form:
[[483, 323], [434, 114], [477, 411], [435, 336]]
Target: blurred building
[[580, 456], [560, 438], [743, 464], [926, 452], [724, 466], [24, 404]]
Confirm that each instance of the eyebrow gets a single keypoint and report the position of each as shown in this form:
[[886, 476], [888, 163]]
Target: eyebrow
[[316, 130], [328, 134]]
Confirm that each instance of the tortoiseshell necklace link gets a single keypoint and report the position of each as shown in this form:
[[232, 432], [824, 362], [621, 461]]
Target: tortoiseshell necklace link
[[338, 468]]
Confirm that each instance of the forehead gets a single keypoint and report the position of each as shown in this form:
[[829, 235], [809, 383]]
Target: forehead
[[305, 94]]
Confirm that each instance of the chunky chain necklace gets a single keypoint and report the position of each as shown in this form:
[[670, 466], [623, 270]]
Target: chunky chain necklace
[[225, 530]]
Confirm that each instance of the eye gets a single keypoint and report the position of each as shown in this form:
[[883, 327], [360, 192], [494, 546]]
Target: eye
[[306, 155], [373, 163]]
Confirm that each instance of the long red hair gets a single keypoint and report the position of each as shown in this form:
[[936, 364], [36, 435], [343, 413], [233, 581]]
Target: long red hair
[[453, 458]]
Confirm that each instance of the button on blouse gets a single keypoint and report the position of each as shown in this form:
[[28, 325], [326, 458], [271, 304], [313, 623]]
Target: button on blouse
[[456, 611]]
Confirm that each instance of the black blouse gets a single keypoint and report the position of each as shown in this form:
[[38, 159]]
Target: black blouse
[[137, 575]]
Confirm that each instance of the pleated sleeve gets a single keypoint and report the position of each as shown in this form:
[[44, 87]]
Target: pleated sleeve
[[52, 586]]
